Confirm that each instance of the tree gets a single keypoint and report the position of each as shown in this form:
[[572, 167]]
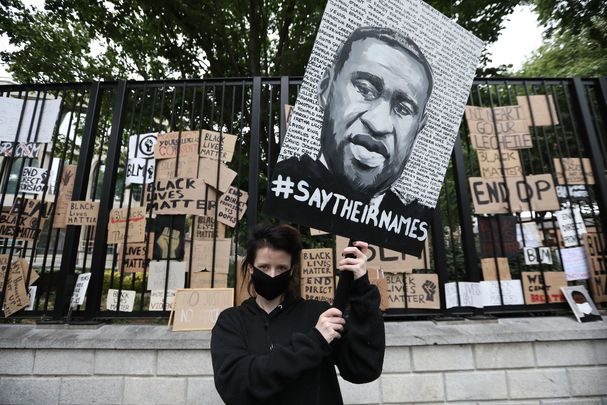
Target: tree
[[73, 40]]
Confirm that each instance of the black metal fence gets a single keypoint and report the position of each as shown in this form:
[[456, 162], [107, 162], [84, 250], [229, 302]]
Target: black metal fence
[[97, 119]]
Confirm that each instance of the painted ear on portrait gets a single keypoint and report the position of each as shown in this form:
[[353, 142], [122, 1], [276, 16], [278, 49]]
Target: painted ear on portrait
[[324, 86]]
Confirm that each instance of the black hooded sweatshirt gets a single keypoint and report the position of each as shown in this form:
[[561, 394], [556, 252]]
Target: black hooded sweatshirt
[[281, 358]]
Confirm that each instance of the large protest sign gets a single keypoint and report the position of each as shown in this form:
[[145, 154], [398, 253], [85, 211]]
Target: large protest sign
[[117, 226], [198, 309], [176, 196], [214, 144], [498, 127], [66, 189], [576, 171], [378, 279], [539, 110], [19, 149], [232, 206], [492, 163], [594, 246], [489, 196], [33, 180], [399, 68], [38, 114], [82, 213], [533, 286], [171, 144], [422, 291]]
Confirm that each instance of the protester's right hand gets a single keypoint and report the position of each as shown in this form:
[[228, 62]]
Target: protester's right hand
[[330, 324]]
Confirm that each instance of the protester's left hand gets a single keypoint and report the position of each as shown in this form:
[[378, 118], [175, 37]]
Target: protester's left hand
[[357, 264]]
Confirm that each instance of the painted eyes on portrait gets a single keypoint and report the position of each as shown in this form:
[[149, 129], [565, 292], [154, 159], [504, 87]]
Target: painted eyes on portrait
[[366, 89], [370, 88]]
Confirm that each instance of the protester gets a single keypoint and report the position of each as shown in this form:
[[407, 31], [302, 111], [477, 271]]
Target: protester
[[277, 348]]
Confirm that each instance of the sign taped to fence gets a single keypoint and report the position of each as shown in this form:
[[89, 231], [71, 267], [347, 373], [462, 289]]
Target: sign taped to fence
[[30, 207], [594, 246], [206, 279], [572, 192], [214, 144], [334, 173], [571, 225], [140, 171], [574, 263], [185, 166], [169, 144], [391, 260], [176, 196], [157, 300], [232, 206], [396, 290], [207, 170], [469, 294], [83, 213], [510, 291], [540, 112], [207, 228], [509, 122], [16, 297], [142, 145], [199, 308], [66, 189], [127, 300], [19, 149], [134, 261], [534, 192], [539, 255], [497, 236], [489, 268], [24, 228], [117, 225], [209, 253], [169, 237], [577, 171], [39, 114], [33, 180], [533, 286], [157, 276], [422, 291], [492, 163], [82, 284], [528, 235]]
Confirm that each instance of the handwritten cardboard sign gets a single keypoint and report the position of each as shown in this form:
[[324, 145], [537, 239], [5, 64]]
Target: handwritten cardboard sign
[[318, 288], [497, 236], [575, 170], [463, 294], [117, 225], [18, 116], [33, 180], [489, 269], [204, 279], [157, 275], [492, 163], [16, 297], [176, 196], [232, 206], [316, 263], [22, 228], [396, 290], [211, 143], [185, 166], [132, 258], [66, 189], [205, 227], [142, 145], [489, 196], [594, 246], [422, 291], [533, 286], [390, 260], [127, 300], [19, 149], [574, 263], [571, 225], [542, 112], [82, 284], [204, 251], [507, 292], [199, 308], [168, 145], [82, 213], [218, 176], [539, 255], [378, 279], [534, 192], [157, 300], [29, 207], [508, 122], [140, 171]]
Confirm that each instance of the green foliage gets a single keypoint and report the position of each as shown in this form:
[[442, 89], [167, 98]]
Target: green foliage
[[73, 40]]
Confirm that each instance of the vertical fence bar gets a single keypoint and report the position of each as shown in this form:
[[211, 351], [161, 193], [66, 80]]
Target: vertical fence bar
[[284, 99], [254, 154], [65, 277], [105, 203]]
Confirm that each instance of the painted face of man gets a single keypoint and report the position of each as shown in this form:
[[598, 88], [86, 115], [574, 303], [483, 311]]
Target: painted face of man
[[375, 106]]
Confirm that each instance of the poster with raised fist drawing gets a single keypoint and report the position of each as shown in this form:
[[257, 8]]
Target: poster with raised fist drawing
[[375, 121]]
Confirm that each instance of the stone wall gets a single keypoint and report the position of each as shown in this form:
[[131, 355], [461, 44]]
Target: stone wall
[[552, 360]]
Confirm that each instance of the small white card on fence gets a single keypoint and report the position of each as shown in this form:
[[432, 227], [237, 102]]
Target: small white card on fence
[[158, 271], [511, 293], [127, 300], [574, 263], [79, 293], [539, 255], [571, 224], [33, 180]]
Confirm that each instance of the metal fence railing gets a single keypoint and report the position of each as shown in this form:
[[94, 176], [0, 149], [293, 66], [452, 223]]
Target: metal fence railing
[[88, 158]]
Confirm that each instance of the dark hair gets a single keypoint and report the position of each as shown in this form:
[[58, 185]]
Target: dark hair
[[392, 38], [279, 237], [579, 295]]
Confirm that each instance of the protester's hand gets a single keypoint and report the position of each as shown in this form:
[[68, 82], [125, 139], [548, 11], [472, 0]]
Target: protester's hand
[[330, 324], [358, 263]]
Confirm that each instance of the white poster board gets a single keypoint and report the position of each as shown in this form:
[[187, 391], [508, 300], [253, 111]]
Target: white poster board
[[43, 113]]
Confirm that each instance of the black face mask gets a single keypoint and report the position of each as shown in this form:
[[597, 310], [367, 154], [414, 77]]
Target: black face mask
[[270, 287]]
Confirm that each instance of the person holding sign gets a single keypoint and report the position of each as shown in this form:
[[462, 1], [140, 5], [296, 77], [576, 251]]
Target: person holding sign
[[280, 349]]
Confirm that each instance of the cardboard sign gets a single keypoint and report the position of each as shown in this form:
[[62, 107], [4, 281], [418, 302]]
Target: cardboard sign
[[29, 207], [205, 250], [208, 171], [463, 294], [377, 278], [489, 196], [396, 290], [66, 189], [170, 144], [20, 149], [508, 292], [176, 196], [205, 227], [574, 263], [203, 279], [15, 298], [422, 291], [140, 171], [540, 112], [232, 206], [185, 166], [533, 283], [492, 163], [508, 122], [142, 145], [169, 237], [575, 169], [572, 192], [540, 255], [28, 227], [199, 308], [157, 275], [317, 232], [157, 300], [489, 271], [212, 142], [535, 192], [318, 288], [33, 180], [316, 263], [127, 300], [134, 262], [390, 260], [571, 224], [497, 236], [528, 235], [120, 218], [38, 114], [82, 284], [594, 246], [83, 213]]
